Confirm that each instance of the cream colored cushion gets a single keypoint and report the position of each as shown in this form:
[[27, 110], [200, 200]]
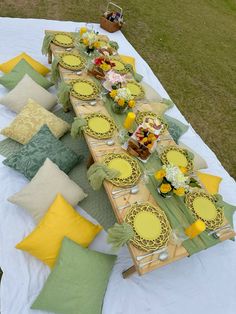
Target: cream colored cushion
[[27, 88], [30, 120], [37, 196], [198, 161]]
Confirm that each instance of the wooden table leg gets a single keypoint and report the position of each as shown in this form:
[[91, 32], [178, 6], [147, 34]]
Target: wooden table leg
[[49, 56], [128, 272], [90, 161]]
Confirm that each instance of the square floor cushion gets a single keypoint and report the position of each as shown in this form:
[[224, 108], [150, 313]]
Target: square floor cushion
[[29, 121], [10, 64], [78, 282], [27, 88], [11, 79], [37, 196], [198, 161], [61, 220], [43, 145], [210, 182]]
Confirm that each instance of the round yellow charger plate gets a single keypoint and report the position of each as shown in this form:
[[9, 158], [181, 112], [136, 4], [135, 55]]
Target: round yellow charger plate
[[203, 207], [150, 224], [99, 125], [72, 61], [84, 89], [135, 89], [63, 40], [119, 66], [126, 165], [177, 156]]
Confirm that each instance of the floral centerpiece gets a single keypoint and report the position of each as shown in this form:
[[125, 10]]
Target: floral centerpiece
[[113, 80], [123, 99], [100, 66], [172, 179], [90, 39]]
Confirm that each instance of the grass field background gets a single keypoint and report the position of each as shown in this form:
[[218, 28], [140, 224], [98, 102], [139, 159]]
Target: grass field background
[[190, 45]]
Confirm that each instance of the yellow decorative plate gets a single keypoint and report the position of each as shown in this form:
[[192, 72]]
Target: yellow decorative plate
[[126, 165], [177, 156], [146, 114], [119, 66], [72, 61], [99, 125], [84, 89], [136, 89], [63, 40], [204, 207], [150, 225], [103, 43]]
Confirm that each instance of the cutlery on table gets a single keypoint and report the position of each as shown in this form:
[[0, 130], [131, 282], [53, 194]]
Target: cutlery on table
[[114, 192], [219, 229], [133, 190], [129, 205], [161, 258], [140, 257]]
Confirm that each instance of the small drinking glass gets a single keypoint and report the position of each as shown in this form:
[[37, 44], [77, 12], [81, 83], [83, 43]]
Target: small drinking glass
[[178, 236]]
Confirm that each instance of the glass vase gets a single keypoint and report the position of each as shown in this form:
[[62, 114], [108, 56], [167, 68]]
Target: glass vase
[[118, 109]]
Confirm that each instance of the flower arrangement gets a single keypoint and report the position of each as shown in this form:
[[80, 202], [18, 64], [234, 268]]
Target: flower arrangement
[[172, 179], [103, 63], [123, 99], [114, 80], [89, 38]]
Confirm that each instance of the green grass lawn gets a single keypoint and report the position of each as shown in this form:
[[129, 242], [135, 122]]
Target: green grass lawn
[[191, 47]]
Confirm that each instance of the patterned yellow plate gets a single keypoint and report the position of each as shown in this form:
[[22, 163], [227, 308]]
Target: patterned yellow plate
[[204, 207], [126, 165], [103, 43], [177, 156], [99, 125], [84, 89], [145, 114], [119, 66], [136, 89], [63, 40], [72, 61], [151, 226]]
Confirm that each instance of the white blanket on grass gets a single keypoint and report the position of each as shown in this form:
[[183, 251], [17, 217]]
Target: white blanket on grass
[[203, 283]]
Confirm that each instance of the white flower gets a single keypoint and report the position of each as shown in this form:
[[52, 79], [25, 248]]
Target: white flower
[[114, 77], [124, 93], [175, 176]]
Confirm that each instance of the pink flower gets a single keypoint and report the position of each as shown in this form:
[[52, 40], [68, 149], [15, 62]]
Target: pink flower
[[114, 77]]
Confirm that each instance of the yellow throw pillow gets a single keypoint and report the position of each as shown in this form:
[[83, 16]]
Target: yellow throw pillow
[[128, 59], [210, 182], [61, 220], [30, 120], [9, 65]]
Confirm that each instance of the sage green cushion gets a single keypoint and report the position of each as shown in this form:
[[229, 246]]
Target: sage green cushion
[[11, 79], [175, 127], [77, 283], [43, 145]]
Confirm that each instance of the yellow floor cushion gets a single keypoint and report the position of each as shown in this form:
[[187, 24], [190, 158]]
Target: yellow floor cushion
[[210, 182], [128, 59], [61, 220], [10, 64]]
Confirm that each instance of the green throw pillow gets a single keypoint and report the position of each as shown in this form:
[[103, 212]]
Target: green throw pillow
[[175, 127], [77, 283], [11, 79], [43, 145]]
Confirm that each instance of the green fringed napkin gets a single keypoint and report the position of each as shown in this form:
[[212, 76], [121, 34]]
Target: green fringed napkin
[[55, 70], [114, 44], [46, 43], [63, 95], [98, 172], [137, 77], [119, 235], [77, 126]]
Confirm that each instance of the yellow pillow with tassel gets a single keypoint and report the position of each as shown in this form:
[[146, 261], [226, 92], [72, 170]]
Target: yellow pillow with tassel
[[210, 182], [129, 60]]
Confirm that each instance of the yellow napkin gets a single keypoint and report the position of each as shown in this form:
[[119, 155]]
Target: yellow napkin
[[210, 182], [128, 59]]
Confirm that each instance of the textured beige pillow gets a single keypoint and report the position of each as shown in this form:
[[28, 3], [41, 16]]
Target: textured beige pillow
[[198, 161], [37, 196], [29, 121], [27, 88]]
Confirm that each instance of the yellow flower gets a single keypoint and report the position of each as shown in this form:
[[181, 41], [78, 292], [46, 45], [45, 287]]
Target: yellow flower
[[131, 103], [179, 191], [183, 169], [96, 44], [83, 30], [121, 102], [160, 174], [105, 67], [165, 188], [85, 41], [113, 93]]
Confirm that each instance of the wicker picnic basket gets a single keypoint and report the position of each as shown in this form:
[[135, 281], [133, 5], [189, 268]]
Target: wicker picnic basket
[[110, 26]]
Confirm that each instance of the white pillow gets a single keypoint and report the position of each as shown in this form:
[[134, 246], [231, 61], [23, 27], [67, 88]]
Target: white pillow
[[27, 88], [37, 196]]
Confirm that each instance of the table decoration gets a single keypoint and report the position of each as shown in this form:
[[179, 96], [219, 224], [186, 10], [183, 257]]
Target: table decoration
[[120, 67], [142, 115], [129, 120], [84, 89], [100, 66], [119, 235], [151, 226], [136, 89], [72, 61], [204, 207], [127, 166], [99, 126], [178, 157], [63, 40], [122, 100], [113, 80], [195, 229]]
